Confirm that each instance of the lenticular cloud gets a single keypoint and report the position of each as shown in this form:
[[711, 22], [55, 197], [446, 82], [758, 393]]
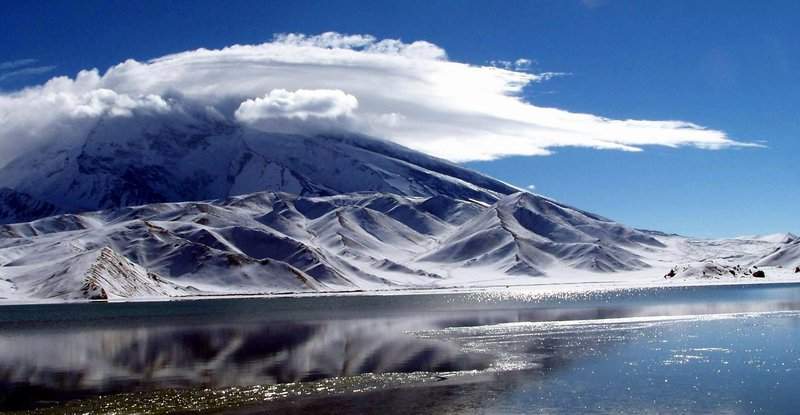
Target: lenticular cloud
[[409, 93]]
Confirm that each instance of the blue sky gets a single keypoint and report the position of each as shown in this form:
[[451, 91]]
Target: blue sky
[[726, 65]]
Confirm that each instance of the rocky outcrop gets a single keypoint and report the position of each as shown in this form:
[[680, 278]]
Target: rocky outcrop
[[113, 276], [713, 270]]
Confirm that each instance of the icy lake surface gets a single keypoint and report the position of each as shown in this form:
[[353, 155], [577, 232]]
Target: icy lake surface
[[715, 349]]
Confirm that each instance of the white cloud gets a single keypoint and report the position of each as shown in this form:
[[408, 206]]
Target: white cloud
[[409, 93], [101, 102], [304, 110], [521, 64]]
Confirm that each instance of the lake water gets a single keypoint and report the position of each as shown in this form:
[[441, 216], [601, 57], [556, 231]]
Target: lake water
[[717, 349]]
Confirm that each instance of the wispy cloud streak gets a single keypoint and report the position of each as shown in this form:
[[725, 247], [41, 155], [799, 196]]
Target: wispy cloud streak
[[33, 70]]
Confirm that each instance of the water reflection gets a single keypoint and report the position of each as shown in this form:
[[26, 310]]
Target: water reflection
[[732, 364], [57, 365], [515, 341]]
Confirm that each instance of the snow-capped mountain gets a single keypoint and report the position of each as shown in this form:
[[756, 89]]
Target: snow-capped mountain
[[155, 206], [157, 158]]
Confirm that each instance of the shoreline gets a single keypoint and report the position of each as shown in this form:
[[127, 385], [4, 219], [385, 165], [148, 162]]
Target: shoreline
[[554, 287]]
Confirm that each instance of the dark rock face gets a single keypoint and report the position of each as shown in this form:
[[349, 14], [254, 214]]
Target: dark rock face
[[759, 274], [797, 270], [21, 207]]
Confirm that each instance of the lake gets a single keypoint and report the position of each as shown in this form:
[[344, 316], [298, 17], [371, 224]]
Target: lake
[[712, 349]]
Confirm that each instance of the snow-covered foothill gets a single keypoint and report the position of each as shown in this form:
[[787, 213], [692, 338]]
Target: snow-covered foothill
[[277, 242], [785, 254]]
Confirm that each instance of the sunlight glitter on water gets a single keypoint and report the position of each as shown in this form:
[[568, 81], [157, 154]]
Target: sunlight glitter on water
[[521, 347]]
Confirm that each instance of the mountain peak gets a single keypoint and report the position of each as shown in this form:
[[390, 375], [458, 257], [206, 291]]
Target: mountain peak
[[124, 162]]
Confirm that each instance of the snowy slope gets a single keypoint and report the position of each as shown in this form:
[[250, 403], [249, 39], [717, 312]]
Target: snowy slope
[[723, 259], [786, 254], [524, 233], [157, 158], [89, 274], [277, 242]]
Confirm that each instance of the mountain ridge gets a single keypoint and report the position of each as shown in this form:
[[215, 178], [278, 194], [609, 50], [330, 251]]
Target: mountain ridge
[[278, 242], [212, 207]]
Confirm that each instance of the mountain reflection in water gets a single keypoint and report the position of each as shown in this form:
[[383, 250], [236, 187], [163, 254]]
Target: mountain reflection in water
[[57, 365], [49, 355]]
